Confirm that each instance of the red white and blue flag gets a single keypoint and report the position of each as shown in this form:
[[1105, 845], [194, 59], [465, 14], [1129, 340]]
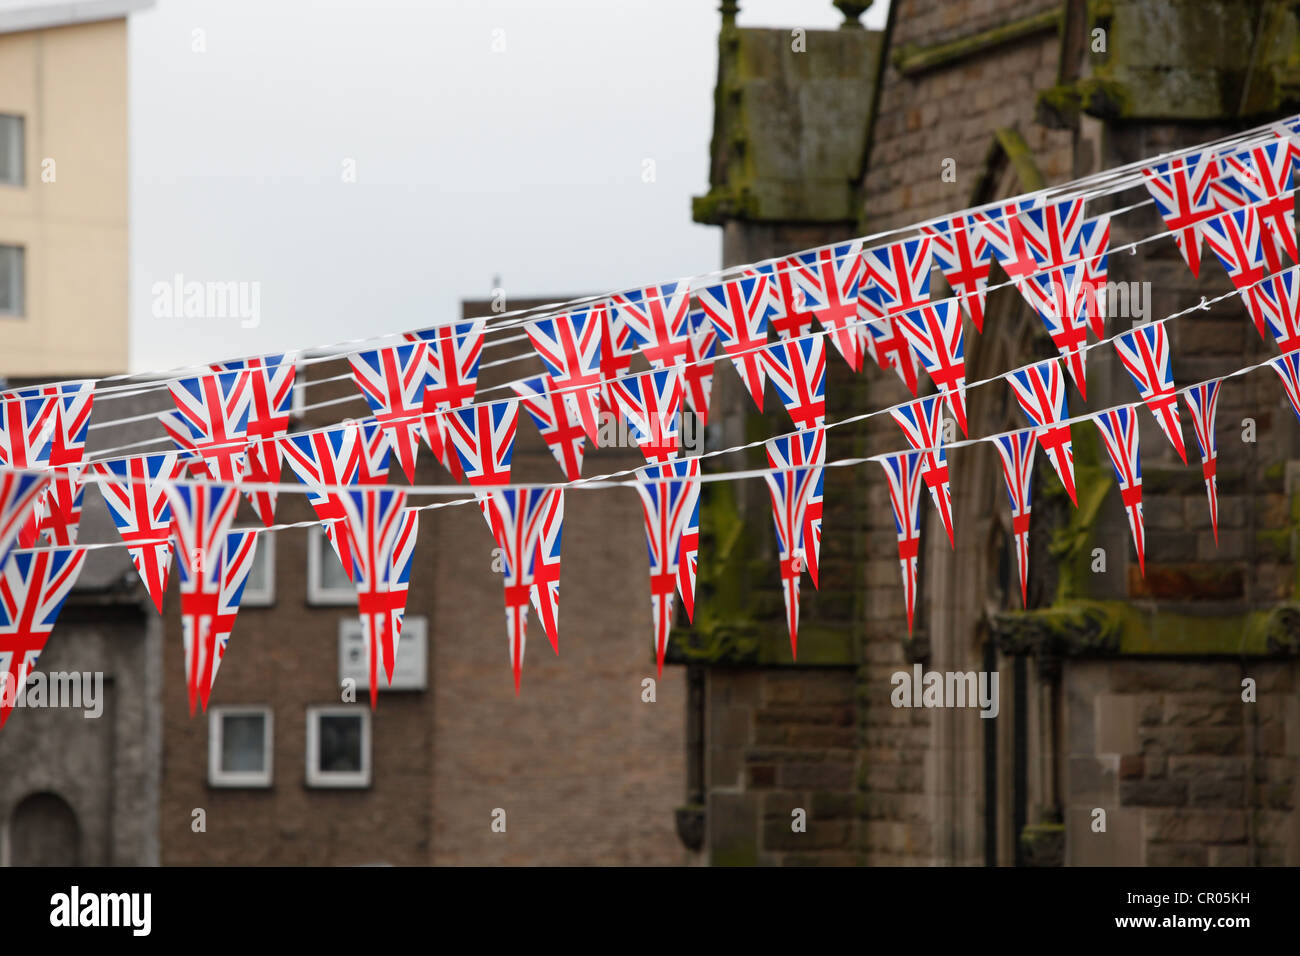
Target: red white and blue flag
[[211, 420], [484, 437], [1119, 432], [699, 371], [922, 425], [738, 309], [1234, 237], [903, 472], [1058, 297], [383, 532], [19, 493], [964, 257], [1144, 351], [237, 556], [1288, 369], [1052, 232], [516, 517], [617, 347], [689, 552], [659, 319], [1040, 390], [393, 382], [1017, 453], [452, 361], [324, 461], [33, 587], [557, 421], [135, 490], [651, 403], [935, 332], [1094, 252], [1002, 229], [569, 347], [271, 383], [881, 337], [1203, 400], [789, 489], [545, 592], [1181, 190], [790, 316], [669, 493], [60, 509], [201, 516], [1262, 176], [30, 418], [797, 368], [829, 280], [806, 449], [1279, 298]]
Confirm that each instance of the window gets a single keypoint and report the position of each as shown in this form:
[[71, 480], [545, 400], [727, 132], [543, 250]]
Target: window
[[338, 747], [11, 280], [259, 589], [11, 150], [239, 747], [410, 672], [326, 582]]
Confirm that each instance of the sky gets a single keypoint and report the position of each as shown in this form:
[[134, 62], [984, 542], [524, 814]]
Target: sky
[[361, 167]]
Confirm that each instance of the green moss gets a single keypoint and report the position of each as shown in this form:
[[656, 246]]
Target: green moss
[[910, 59]]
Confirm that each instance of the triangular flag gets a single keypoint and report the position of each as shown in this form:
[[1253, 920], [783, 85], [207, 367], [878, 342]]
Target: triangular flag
[[545, 592], [1041, 393], [1234, 237], [698, 374], [666, 503], [135, 490], [271, 383], [61, 507], [935, 332], [236, 561], [211, 420], [557, 421], [884, 339], [34, 586], [1278, 297], [1262, 176], [658, 317], [797, 368], [789, 317], [324, 461], [617, 347], [1144, 351], [738, 309], [569, 347], [1017, 453], [964, 257], [1181, 190], [516, 517], [1203, 401], [484, 437], [651, 403], [1120, 434], [393, 381], [452, 360], [922, 424], [1059, 299], [790, 490], [689, 553], [829, 280], [806, 449], [1288, 369], [904, 474]]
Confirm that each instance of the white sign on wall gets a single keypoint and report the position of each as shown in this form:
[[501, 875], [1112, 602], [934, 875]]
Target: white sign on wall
[[411, 672]]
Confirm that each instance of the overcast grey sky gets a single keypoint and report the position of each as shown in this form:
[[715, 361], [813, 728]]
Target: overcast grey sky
[[469, 163]]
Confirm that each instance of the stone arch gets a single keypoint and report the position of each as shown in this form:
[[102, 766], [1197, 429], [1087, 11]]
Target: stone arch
[[44, 831]]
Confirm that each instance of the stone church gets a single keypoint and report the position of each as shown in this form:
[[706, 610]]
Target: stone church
[[1122, 735]]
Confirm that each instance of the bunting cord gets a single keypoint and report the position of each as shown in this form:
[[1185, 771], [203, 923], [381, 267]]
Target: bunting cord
[[1131, 246], [1115, 180]]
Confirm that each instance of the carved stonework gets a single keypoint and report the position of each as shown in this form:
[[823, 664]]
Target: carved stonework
[[1055, 633]]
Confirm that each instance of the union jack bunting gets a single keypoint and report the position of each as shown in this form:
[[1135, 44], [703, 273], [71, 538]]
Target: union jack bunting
[[1040, 391], [1003, 230], [203, 658], [964, 258], [27, 430], [617, 346], [516, 517], [738, 310], [1144, 351], [1203, 400], [1288, 130], [271, 383], [789, 316], [135, 491], [1094, 251], [789, 490], [1181, 190], [557, 421], [797, 368], [650, 403], [1120, 434], [807, 449], [452, 360], [1279, 298], [60, 509], [211, 420], [904, 474], [1017, 453], [569, 346], [883, 338], [323, 461], [545, 592], [1058, 297], [829, 280], [383, 532], [1052, 232], [1288, 369], [659, 318], [201, 516], [922, 424], [393, 382], [935, 332], [33, 587], [19, 492], [1234, 237], [698, 373], [689, 552], [666, 504], [1262, 176], [484, 437]]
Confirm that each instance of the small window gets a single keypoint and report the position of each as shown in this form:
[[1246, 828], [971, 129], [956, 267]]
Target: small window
[[239, 747], [11, 280], [11, 150], [338, 747], [410, 671], [326, 582], [259, 589]]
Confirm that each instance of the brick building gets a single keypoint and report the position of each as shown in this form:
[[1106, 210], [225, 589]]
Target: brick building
[[1118, 692]]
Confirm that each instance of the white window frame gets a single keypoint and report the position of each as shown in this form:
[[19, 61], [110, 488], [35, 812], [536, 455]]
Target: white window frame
[[317, 593], [21, 310], [247, 779], [414, 627], [337, 779], [262, 597], [21, 181]]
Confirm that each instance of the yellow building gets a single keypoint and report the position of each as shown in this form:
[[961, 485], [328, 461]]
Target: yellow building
[[63, 187]]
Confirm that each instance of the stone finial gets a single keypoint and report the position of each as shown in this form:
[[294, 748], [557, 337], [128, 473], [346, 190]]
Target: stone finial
[[729, 10], [852, 10]]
